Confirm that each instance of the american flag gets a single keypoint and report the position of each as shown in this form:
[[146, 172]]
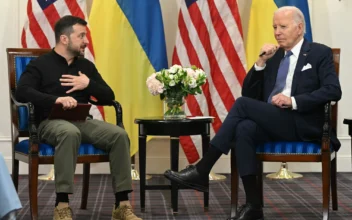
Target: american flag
[[210, 37], [38, 30]]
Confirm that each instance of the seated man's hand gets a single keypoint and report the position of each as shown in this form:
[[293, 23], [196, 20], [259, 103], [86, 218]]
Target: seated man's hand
[[281, 101], [67, 102], [77, 82], [267, 51]]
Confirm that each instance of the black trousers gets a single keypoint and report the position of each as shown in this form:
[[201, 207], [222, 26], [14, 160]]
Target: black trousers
[[251, 122]]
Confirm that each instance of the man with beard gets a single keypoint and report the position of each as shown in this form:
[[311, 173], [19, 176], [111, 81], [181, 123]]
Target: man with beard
[[64, 77]]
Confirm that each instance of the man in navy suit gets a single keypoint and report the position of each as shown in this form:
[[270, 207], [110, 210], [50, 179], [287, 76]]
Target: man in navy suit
[[284, 95]]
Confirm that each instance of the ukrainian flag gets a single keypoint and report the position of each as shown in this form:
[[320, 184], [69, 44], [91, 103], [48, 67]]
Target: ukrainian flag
[[129, 45], [260, 28]]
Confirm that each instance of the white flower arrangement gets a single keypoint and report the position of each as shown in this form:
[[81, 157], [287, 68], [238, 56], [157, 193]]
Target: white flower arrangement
[[176, 81], [174, 84]]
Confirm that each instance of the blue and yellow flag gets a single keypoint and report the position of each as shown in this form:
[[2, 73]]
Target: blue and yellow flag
[[129, 45], [260, 28]]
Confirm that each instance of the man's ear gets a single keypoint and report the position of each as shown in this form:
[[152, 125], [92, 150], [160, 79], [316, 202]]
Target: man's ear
[[64, 39], [300, 26]]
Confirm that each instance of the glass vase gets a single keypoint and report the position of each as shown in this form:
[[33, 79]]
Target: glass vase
[[174, 108]]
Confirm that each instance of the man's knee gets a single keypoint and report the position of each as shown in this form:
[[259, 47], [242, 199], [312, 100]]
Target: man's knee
[[246, 128], [119, 132], [241, 100], [240, 103], [120, 135], [121, 140], [69, 131]]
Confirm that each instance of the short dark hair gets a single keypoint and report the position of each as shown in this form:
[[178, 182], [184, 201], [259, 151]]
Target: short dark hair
[[65, 26]]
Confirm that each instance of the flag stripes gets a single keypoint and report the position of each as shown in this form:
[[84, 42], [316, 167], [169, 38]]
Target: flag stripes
[[210, 37]]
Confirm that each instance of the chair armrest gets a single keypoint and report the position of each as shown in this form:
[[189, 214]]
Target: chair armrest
[[32, 127], [118, 110], [17, 103], [326, 128]]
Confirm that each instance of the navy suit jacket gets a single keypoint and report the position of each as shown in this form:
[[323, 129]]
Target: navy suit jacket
[[311, 88]]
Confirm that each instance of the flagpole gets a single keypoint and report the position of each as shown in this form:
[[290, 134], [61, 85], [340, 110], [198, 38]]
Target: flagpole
[[213, 176], [48, 177], [134, 172], [284, 173]]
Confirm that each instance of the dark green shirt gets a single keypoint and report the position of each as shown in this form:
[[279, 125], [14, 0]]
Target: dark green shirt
[[40, 83]]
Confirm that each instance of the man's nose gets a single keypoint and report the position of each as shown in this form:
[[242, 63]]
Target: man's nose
[[278, 31]]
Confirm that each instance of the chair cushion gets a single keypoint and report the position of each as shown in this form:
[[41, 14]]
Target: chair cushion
[[48, 150], [290, 148]]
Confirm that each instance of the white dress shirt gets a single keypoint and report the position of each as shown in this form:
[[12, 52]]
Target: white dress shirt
[[291, 70]]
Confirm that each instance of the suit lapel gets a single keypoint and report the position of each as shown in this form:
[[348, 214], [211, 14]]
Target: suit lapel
[[300, 63]]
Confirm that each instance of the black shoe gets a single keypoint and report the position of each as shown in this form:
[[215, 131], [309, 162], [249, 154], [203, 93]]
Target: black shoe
[[189, 177], [249, 212]]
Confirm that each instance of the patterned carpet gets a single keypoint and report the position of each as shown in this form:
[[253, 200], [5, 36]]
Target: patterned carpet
[[284, 200]]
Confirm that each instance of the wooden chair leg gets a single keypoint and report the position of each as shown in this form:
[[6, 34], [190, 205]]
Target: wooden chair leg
[[15, 166], [326, 184], [205, 148], [260, 182], [85, 188], [33, 185], [234, 185], [334, 184]]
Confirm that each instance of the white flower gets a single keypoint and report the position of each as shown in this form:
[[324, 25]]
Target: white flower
[[178, 67], [175, 68], [190, 72], [172, 83], [180, 73], [192, 83], [161, 88], [171, 76], [155, 87], [198, 73], [172, 70]]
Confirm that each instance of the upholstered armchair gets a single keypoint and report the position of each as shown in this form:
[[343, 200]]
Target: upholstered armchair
[[31, 150], [299, 152]]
